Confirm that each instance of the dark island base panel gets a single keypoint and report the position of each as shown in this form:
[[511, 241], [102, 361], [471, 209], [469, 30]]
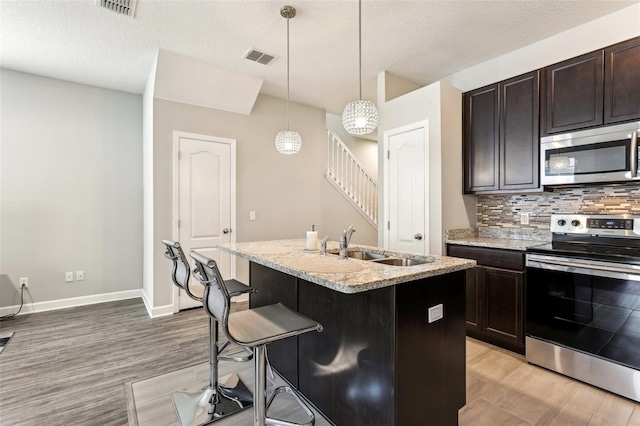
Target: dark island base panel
[[374, 342]]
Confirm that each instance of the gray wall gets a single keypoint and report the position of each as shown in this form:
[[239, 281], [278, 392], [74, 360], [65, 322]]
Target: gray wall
[[287, 192], [71, 188]]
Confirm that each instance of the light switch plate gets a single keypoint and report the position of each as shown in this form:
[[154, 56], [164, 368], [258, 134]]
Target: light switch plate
[[524, 218], [436, 313]]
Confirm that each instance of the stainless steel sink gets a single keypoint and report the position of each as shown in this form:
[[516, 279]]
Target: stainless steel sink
[[366, 255], [362, 255], [400, 261]]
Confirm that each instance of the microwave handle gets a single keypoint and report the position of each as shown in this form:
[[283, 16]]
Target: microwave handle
[[633, 158]]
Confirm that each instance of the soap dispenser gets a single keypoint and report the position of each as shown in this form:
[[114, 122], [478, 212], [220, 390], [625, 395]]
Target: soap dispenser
[[312, 239]]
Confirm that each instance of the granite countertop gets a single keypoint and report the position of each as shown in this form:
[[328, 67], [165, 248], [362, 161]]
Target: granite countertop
[[346, 276], [502, 238]]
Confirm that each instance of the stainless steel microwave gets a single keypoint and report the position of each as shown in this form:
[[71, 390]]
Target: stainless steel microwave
[[604, 154]]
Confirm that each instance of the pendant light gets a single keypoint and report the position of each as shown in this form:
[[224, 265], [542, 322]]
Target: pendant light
[[288, 141], [360, 117]]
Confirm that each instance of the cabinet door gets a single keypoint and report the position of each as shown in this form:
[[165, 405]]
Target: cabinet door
[[573, 93], [622, 81], [481, 140], [519, 135], [474, 299], [502, 317]]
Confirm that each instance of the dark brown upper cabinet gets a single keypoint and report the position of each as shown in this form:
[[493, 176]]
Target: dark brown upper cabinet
[[481, 140], [601, 87], [501, 136], [573, 93], [622, 81]]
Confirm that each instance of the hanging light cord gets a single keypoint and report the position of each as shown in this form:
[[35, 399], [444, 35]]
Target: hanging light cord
[[360, 43], [287, 73]]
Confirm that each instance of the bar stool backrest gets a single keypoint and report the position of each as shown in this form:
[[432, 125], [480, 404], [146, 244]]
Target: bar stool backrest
[[216, 300], [181, 270]]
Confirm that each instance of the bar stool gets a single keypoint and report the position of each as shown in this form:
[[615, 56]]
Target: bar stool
[[216, 400], [254, 328]]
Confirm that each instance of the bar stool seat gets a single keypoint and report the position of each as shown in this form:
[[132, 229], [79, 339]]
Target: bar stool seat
[[254, 328], [217, 400], [266, 324]]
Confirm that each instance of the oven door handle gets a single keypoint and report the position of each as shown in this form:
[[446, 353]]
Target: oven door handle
[[633, 157], [544, 262]]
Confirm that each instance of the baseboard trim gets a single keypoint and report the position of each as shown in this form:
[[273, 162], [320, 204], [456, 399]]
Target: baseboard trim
[[155, 312], [30, 308]]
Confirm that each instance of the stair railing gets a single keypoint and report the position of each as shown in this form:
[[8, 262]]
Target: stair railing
[[348, 176]]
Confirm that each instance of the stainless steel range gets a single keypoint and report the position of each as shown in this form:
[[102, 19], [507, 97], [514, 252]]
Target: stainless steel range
[[583, 301]]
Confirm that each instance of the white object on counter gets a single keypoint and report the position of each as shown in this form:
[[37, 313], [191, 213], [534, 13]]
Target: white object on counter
[[312, 239]]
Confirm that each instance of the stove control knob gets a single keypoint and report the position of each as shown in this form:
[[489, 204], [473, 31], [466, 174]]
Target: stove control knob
[[575, 222], [562, 222]]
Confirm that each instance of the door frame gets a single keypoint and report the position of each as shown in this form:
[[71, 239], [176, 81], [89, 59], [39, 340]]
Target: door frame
[[422, 124], [177, 135]]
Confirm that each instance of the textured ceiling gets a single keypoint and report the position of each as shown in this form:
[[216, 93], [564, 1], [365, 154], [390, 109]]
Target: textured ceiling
[[422, 41]]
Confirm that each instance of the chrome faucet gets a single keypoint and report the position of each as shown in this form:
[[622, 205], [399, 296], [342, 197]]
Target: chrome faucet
[[323, 245], [344, 241]]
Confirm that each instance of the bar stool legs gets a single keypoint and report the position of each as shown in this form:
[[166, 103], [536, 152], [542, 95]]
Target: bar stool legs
[[217, 400], [260, 405]]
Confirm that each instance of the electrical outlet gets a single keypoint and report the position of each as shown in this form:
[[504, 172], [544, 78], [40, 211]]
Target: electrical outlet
[[524, 218], [24, 281], [79, 275], [435, 313], [69, 277], [252, 215]]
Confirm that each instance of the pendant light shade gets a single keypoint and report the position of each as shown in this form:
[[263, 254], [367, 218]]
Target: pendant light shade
[[288, 141], [360, 117]]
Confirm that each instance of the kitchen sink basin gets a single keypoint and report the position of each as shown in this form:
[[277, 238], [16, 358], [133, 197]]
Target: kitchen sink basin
[[366, 255], [362, 255], [400, 261]]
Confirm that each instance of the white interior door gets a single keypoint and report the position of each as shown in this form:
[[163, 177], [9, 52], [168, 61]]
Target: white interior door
[[205, 205], [406, 188]]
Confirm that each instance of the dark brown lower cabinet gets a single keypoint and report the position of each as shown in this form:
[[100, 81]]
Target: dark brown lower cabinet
[[494, 295], [474, 299], [378, 361]]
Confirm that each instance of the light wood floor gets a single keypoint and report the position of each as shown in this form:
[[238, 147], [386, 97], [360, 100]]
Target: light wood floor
[[68, 367], [502, 389]]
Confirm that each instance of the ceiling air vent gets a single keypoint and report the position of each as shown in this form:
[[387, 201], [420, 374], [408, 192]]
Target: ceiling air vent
[[257, 56], [122, 7]]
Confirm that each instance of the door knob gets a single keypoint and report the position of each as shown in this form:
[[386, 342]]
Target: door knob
[[226, 230], [418, 236]]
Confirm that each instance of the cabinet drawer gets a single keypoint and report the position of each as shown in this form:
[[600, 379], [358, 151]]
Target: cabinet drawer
[[498, 258]]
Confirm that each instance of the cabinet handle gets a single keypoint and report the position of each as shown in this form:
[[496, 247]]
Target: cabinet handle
[[226, 230], [418, 236]]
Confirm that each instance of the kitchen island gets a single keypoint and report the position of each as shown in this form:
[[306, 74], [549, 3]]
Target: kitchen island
[[381, 359]]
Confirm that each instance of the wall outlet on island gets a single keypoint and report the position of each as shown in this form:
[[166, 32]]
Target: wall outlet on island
[[524, 218], [435, 313]]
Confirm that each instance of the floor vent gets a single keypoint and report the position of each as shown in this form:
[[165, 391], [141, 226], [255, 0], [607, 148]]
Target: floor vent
[[122, 7], [257, 56]]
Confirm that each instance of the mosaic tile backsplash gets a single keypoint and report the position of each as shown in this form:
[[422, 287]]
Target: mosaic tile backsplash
[[503, 211]]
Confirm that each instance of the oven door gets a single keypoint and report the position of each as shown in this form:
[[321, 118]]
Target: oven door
[[586, 305], [590, 156]]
